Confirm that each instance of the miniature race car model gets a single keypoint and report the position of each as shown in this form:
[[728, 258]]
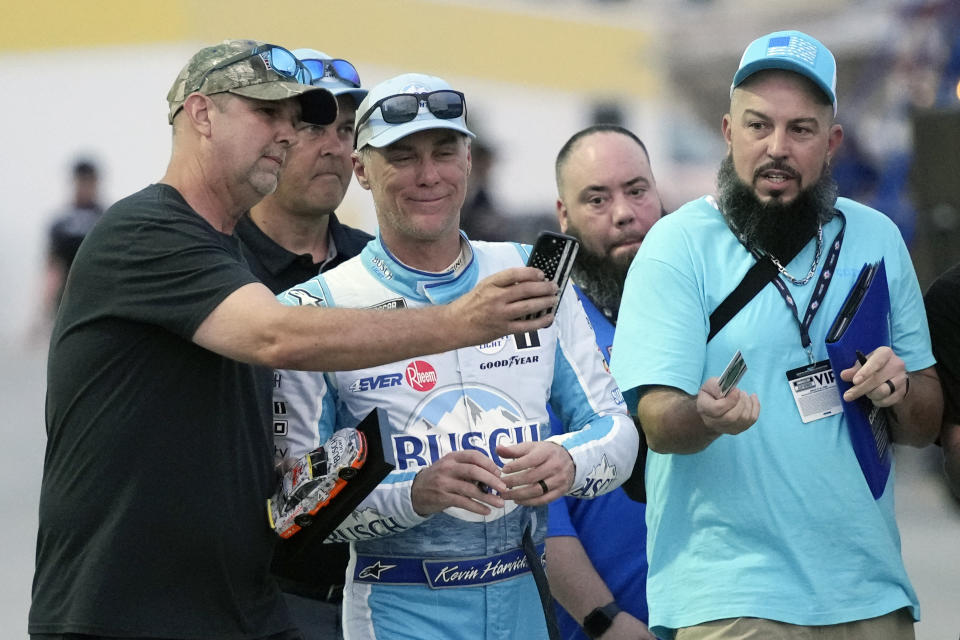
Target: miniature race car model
[[314, 480]]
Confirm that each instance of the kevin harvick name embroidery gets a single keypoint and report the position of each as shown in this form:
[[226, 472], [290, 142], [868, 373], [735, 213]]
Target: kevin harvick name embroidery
[[443, 573]]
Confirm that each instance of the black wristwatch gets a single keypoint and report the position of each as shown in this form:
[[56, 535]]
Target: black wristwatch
[[599, 620]]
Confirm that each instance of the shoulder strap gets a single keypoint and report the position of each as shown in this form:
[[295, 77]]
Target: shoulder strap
[[759, 275]]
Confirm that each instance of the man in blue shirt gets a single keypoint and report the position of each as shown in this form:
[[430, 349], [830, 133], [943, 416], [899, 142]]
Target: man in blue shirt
[[596, 549], [760, 520]]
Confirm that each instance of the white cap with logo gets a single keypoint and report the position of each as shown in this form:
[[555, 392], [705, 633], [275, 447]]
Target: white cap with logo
[[446, 110]]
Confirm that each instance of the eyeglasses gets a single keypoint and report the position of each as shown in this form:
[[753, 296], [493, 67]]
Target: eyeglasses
[[333, 67], [275, 58], [445, 104]]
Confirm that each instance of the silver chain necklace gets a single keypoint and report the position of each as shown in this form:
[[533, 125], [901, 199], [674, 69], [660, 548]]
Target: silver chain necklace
[[813, 267]]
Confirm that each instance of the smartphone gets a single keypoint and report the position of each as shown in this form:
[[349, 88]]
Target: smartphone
[[553, 253], [732, 373]]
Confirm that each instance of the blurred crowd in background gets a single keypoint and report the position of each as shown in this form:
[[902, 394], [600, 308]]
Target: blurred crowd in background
[[901, 117]]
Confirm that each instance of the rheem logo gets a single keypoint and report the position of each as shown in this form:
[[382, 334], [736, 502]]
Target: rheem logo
[[421, 375]]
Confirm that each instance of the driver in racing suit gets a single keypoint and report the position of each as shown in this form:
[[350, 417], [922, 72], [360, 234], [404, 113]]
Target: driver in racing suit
[[436, 548]]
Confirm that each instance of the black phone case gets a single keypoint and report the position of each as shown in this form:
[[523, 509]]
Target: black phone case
[[554, 253]]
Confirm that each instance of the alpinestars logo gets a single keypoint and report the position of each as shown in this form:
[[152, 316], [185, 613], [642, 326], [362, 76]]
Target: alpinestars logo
[[374, 570], [305, 298], [421, 375]]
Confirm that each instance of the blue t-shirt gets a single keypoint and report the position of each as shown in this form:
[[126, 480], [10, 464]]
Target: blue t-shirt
[[776, 522]]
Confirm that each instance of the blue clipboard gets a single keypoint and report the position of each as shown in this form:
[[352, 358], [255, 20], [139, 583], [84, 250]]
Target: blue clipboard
[[863, 324]]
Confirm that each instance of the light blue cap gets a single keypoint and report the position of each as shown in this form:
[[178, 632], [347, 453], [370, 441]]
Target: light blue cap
[[791, 51], [331, 83], [377, 133]]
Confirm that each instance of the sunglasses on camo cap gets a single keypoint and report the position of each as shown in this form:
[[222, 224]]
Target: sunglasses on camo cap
[[276, 58]]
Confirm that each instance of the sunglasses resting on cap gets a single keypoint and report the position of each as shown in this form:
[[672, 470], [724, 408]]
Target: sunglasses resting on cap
[[445, 104], [332, 68]]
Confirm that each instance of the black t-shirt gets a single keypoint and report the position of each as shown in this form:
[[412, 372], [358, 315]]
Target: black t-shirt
[[309, 575], [159, 457], [943, 314]]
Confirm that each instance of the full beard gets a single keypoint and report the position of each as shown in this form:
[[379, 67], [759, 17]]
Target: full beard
[[775, 228], [600, 277]]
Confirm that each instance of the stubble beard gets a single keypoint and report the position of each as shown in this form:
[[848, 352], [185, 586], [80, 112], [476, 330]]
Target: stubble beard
[[775, 228], [264, 187], [263, 182]]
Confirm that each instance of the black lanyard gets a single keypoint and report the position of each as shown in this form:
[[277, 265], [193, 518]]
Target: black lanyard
[[823, 283]]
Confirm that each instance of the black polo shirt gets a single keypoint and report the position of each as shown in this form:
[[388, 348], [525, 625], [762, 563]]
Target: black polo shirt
[[281, 269]]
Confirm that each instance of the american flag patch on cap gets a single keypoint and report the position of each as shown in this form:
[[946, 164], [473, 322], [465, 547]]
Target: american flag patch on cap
[[792, 47]]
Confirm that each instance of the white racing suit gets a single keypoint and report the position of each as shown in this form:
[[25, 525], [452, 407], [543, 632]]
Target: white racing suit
[[453, 574]]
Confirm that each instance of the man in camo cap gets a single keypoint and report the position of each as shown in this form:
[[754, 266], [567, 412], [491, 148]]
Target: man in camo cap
[[159, 457], [272, 73]]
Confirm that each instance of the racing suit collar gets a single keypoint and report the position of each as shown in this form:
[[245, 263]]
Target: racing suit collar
[[423, 286]]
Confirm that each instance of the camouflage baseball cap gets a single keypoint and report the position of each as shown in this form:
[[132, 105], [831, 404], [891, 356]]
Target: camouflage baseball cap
[[249, 76]]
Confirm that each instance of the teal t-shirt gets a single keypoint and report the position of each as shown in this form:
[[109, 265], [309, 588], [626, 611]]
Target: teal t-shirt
[[776, 522]]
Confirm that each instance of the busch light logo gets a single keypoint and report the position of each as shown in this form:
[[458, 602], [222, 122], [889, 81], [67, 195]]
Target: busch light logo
[[382, 267], [421, 375], [417, 88], [491, 348], [365, 524], [455, 418]]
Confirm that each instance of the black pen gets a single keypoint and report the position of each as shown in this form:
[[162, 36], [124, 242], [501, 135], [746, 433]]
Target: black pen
[[862, 359]]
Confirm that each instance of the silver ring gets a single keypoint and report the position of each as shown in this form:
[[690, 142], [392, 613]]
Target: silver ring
[[893, 388], [543, 485]]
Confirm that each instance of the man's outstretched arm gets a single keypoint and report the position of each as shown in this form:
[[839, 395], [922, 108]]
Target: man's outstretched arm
[[250, 325]]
